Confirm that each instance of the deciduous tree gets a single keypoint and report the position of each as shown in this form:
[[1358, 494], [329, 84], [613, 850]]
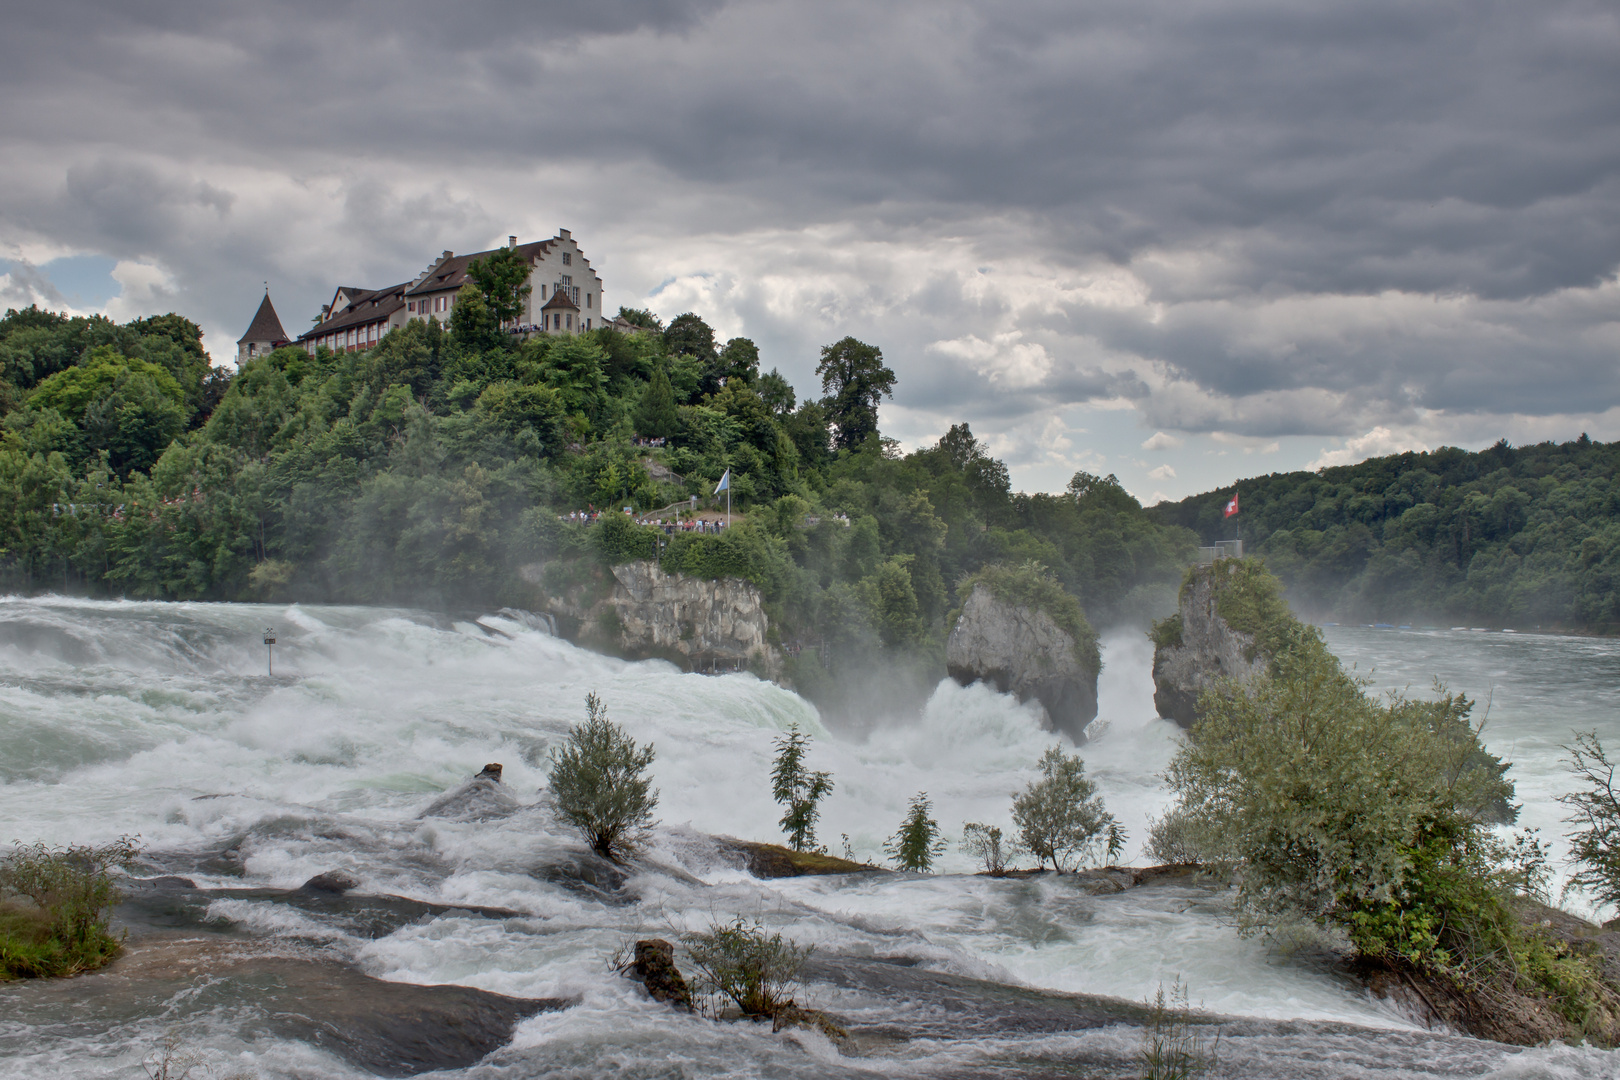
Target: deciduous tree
[[855, 381]]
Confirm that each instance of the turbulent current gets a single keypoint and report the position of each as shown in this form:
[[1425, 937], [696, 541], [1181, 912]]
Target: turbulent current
[[159, 720]]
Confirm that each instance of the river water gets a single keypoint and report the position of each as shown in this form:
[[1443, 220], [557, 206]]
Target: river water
[[159, 719]]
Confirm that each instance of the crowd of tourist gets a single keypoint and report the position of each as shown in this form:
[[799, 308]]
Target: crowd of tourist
[[670, 525]]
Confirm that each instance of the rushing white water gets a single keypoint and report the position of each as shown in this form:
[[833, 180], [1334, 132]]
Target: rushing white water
[[158, 719]]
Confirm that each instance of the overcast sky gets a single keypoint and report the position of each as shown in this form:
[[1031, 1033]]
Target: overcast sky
[[1183, 241]]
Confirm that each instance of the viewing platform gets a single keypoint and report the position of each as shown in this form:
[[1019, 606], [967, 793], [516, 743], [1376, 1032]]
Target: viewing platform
[[1223, 549]]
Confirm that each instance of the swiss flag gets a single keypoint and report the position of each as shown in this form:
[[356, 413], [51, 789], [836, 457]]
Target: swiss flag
[[1232, 507]]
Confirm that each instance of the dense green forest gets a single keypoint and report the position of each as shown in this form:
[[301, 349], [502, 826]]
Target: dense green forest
[[431, 468], [1509, 536]]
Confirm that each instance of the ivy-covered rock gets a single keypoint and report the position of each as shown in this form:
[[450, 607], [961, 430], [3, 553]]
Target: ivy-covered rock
[[1197, 646], [1019, 631]]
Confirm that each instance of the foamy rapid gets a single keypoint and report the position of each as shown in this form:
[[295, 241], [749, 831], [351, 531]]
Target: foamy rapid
[[159, 719]]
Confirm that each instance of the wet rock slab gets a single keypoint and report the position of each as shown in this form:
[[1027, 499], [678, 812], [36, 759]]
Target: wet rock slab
[[172, 903], [388, 1028]]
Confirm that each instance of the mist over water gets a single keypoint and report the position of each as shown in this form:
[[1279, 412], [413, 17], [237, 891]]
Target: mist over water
[[159, 719]]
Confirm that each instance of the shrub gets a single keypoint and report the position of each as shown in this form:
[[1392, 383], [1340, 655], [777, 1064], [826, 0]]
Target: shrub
[[918, 842], [1060, 817], [620, 539], [986, 843], [1170, 1048], [756, 970], [598, 782], [1370, 817], [69, 893], [798, 789], [1174, 839], [1594, 845], [1166, 632]]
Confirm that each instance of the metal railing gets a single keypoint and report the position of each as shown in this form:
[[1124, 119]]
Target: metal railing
[[1223, 549]]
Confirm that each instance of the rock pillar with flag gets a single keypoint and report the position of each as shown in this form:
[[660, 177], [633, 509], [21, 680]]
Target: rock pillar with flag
[[725, 486]]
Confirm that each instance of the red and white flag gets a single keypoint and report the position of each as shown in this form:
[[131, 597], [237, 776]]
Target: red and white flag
[[1232, 507]]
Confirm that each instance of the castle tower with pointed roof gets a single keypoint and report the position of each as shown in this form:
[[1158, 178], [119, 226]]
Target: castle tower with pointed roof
[[263, 335]]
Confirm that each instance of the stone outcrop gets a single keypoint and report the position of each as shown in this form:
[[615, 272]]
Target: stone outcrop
[[704, 625], [654, 968], [776, 861], [1196, 647], [1023, 651], [641, 612], [483, 798], [333, 881]]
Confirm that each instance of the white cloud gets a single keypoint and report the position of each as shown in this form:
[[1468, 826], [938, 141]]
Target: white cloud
[[1161, 441], [1005, 360], [1378, 442], [1163, 472], [144, 290]]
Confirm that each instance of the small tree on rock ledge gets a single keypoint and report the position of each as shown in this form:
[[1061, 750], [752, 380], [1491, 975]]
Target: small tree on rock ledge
[[798, 789], [1060, 817], [918, 842], [598, 780]]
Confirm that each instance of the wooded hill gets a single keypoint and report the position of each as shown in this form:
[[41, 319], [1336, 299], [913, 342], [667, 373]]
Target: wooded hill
[[431, 468], [1510, 536]]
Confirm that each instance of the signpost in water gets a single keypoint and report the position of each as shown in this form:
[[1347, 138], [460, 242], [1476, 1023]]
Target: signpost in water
[[270, 649]]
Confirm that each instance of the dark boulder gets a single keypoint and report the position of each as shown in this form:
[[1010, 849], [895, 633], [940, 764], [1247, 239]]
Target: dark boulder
[[333, 881], [655, 969]]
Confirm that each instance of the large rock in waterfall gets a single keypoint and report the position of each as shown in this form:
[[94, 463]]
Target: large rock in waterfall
[[1197, 646], [1022, 650], [702, 624], [705, 625]]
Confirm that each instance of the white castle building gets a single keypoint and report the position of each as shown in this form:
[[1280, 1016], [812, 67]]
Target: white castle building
[[565, 297]]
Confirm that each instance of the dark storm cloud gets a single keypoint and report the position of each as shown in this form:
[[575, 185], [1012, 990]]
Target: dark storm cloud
[[1285, 183]]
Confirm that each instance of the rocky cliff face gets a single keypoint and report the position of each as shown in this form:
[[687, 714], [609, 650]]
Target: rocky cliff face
[[1190, 658], [701, 624], [1023, 652]]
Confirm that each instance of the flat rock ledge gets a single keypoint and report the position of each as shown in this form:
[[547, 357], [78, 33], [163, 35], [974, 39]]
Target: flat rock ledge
[[386, 1028], [776, 861]]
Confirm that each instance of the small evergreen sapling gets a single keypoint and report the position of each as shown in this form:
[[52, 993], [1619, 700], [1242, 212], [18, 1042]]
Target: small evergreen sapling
[[918, 842], [598, 779], [1060, 817], [798, 789]]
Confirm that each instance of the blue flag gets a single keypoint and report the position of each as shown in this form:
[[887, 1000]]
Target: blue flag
[[725, 483]]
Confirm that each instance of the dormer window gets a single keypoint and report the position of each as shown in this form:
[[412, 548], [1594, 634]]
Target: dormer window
[[568, 258]]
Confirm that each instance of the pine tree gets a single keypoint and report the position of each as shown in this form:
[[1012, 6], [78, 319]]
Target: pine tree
[[798, 789], [655, 416], [918, 842]]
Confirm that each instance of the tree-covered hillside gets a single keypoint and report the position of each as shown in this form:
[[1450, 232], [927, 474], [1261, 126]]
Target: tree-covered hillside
[[1509, 536], [438, 468]]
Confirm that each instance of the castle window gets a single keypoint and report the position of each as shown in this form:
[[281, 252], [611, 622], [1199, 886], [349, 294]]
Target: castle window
[[567, 258], [587, 299]]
